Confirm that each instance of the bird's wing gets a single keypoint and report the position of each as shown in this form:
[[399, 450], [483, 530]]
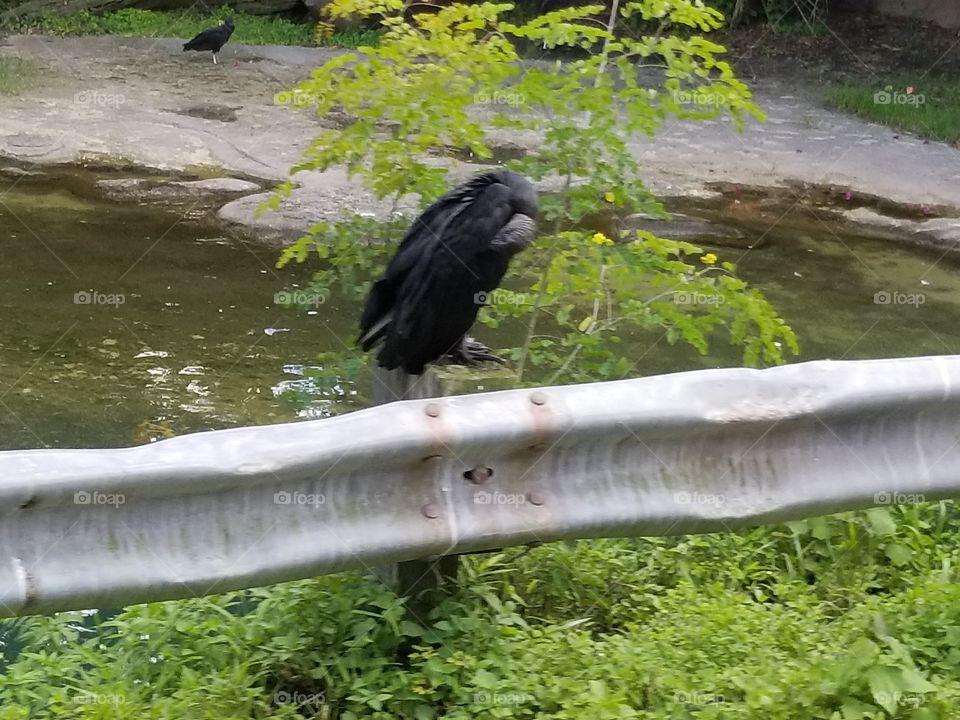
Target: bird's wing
[[213, 35], [428, 229], [478, 223], [206, 34], [418, 245], [451, 266], [199, 39], [425, 295]]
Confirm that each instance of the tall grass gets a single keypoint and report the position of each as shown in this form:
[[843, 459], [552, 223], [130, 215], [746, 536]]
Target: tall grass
[[928, 107], [133, 22]]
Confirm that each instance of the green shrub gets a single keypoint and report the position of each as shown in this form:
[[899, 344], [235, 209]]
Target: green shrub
[[682, 633]]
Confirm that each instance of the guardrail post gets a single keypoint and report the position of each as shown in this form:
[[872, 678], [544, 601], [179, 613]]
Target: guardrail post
[[420, 581]]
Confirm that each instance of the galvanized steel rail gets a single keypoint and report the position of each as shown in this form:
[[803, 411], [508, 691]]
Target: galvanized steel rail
[[691, 452]]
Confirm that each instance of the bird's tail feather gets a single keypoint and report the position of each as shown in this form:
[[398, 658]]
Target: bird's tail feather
[[372, 336], [377, 314]]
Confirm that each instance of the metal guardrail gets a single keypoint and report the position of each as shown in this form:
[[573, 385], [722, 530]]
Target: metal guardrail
[[685, 453]]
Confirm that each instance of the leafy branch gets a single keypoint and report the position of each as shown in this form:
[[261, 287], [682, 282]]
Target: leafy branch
[[439, 81]]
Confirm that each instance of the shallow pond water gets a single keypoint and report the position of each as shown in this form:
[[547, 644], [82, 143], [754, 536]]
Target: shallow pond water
[[849, 297], [123, 323]]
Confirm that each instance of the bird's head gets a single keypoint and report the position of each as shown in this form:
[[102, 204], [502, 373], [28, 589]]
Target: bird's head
[[228, 21], [524, 194]]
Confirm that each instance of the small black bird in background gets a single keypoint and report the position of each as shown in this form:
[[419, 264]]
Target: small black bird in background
[[212, 39], [455, 253]]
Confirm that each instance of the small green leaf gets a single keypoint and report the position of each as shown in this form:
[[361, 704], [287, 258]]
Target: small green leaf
[[914, 682], [485, 679], [410, 628], [886, 684], [881, 521], [899, 554]]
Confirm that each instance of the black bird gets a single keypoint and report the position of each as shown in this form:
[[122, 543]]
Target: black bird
[[212, 39], [455, 253]]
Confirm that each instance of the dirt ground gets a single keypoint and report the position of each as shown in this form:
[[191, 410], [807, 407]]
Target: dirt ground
[[855, 48], [180, 82]]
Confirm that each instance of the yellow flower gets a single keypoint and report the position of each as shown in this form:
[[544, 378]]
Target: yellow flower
[[609, 197], [601, 239], [708, 259]]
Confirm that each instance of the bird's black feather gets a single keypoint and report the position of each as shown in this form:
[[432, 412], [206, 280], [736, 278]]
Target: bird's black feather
[[211, 39], [458, 249]]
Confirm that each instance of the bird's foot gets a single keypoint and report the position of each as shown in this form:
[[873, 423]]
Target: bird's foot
[[471, 353]]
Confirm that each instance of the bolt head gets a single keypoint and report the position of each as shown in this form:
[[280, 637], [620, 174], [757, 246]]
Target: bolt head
[[430, 511], [479, 474]]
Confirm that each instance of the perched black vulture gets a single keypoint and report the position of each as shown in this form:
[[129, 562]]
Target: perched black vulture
[[212, 39], [455, 253]]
